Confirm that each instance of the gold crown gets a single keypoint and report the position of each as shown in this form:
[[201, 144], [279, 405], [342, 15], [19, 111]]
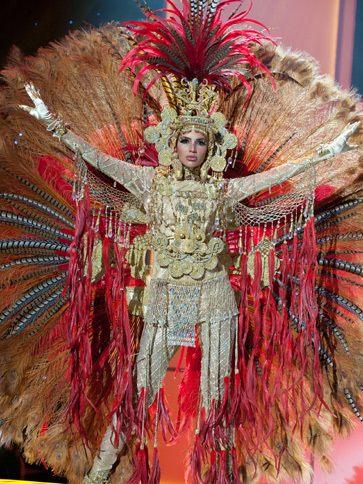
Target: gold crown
[[191, 98], [194, 98]]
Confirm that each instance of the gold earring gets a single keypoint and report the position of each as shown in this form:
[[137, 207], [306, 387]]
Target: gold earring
[[205, 169], [218, 163]]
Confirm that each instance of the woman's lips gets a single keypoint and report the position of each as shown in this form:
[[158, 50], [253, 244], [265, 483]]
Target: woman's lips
[[191, 158]]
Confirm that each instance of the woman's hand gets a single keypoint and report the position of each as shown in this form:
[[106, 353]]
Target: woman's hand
[[339, 144], [41, 112]]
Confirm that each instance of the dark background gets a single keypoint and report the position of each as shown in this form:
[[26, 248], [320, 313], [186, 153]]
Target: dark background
[[32, 24]]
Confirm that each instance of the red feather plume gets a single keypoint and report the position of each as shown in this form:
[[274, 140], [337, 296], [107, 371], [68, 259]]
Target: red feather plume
[[194, 43]]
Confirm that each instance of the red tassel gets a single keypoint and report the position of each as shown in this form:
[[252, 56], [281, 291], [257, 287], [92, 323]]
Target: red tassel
[[195, 462], [235, 470], [155, 470], [211, 475], [257, 275], [223, 477], [235, 399], [78, 315], [120, 348], [141, 412], [308, 309], [207, 425], [165, 419], [141, 466]]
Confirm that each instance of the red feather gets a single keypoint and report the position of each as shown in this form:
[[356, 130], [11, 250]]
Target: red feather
[[198, 46]]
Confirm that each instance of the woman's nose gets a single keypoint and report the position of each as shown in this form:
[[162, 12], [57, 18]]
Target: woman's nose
[[193, 147]]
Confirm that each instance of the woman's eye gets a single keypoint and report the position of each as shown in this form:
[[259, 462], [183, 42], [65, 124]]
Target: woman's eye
[[201, 142], [184, 141]]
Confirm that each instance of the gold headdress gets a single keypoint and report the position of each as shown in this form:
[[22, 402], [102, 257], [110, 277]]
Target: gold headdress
[[193, 103], [195, 55]]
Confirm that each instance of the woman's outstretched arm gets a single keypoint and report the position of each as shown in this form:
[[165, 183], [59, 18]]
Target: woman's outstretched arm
[[240, 188], [134, 178]]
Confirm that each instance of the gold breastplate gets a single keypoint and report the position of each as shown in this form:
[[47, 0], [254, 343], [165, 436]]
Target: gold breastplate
[[184, 216]]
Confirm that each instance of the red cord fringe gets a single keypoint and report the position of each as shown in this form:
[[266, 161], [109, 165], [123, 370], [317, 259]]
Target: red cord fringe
[[141, 466]]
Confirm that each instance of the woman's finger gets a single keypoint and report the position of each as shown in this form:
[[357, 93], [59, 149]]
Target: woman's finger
[[26, 108]]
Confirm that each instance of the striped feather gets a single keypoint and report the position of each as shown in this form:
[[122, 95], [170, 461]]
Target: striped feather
[[341, 301], [325, 322], [32, 225], [338, 209], [338, 332], [35, 313], [341, 264], [334, 221], [353, 404], [45, 196], [26, 261], [340, 237], [44, 317], [326, 358], [17, 279], [29, 296], [14, 246], [39, 206]]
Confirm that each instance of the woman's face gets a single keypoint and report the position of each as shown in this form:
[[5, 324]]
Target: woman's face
[[192, 148]]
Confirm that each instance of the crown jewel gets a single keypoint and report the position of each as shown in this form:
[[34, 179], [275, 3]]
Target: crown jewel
[[194, 98]]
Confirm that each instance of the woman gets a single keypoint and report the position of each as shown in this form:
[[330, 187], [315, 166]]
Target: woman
[[186, 276]]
